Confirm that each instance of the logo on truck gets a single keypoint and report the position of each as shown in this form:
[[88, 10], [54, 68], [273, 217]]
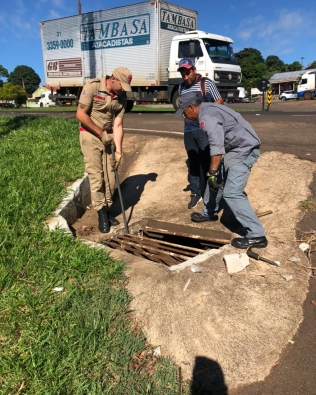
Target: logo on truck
[[176, 22], [121, 32], [64, 68]]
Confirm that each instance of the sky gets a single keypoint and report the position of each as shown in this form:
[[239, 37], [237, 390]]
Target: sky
[[273, 27]]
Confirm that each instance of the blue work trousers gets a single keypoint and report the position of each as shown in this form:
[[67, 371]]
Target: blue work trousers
[[196, 145], [234, 182]]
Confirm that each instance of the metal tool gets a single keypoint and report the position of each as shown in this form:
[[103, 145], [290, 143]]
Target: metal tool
[[119, 191], [258, 257], [264, 213]]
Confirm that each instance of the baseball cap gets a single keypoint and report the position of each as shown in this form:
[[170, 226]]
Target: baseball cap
[[124, 76], [186, 63], [186, 99]]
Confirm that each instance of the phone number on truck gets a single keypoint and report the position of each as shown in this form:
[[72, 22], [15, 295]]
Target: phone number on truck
[[60, 44]]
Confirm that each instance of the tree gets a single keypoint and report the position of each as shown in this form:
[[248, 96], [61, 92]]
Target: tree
[[3, 73], [295, 66], [273, 63], [312, 65], [260, 71], [10, 92], [248, 58], [25, 77]]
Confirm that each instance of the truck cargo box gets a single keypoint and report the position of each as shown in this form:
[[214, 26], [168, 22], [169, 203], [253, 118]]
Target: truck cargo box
[[137, 36]]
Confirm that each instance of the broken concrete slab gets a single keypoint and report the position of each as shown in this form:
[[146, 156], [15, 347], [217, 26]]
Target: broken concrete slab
[[235, 263]]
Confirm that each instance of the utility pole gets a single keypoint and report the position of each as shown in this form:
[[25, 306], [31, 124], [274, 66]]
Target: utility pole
[[79, 7], [302, 58]]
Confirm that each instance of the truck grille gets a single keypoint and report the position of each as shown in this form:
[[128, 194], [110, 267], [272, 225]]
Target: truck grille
[[228, 77]]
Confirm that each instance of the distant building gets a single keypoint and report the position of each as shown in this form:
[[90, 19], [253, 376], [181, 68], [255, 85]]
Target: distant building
[[281, 82], [32, 101]]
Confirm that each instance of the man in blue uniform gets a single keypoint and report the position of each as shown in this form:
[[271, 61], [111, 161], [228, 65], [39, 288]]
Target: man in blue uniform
[[234, 149]]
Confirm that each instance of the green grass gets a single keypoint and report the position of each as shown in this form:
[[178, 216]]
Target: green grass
[[40, 109], [152, 108], [80, 340], [137, 108], [309, 204]]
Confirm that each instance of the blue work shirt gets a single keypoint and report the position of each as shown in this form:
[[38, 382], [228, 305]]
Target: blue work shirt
[[228, 133]]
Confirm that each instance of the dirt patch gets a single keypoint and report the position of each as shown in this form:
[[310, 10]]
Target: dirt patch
[[242, 321]]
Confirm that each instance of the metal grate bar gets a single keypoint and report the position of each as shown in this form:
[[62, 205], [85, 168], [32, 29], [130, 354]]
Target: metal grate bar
[[190, 251], [134, 249], [187, 235], [151, 248]]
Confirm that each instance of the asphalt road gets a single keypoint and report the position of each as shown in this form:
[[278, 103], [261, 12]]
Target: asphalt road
[[289, 128]]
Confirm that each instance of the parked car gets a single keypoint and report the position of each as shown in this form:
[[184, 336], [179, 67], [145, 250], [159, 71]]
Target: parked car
[[287, 95], [246, 99]]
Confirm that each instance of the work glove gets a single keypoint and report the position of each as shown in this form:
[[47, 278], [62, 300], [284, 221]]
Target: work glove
[[106, 138], [213, 182], [115, 162]]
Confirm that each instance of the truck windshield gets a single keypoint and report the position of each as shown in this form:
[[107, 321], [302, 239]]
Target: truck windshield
[[220, 51]]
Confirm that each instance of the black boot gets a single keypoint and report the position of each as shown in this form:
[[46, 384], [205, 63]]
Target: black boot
[[104, 220], [113, 220]]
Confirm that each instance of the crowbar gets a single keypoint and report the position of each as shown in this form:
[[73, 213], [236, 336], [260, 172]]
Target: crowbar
[[258, 257], [119, 191]]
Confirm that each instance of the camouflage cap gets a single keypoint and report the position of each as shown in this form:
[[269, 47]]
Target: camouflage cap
[[187, 99], [124, 76]]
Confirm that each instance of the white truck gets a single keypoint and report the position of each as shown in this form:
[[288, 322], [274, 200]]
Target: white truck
[[149, 38], [306, 88], [50, 99], [241, 92]]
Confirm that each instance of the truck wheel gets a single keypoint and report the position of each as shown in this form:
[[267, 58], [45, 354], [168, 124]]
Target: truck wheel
[[175, 100], [283, 98], [41, 104], [307, 96], [129, 105]]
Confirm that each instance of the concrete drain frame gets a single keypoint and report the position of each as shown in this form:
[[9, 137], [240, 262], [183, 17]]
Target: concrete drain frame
[[157, 241], [166, 243]]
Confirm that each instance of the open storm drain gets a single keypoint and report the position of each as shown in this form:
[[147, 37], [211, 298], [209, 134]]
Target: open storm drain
[[164, 242]]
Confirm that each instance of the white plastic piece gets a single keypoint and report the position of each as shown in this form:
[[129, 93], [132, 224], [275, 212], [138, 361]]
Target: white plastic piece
[[157, 352], [294, 259], [58, 289], [304, 247], [195, 269], [288, 277]]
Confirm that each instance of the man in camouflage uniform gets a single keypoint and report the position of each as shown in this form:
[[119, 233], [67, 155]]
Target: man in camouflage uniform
[[100, 111]]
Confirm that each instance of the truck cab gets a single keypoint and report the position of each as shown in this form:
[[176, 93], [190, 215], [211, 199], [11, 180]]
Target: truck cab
[[45, 100], [306, 88], [213, 57]]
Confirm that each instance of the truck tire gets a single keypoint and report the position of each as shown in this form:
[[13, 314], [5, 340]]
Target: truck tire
[[307, 96], [283, 98], [175, 100], [41, 104], [129, 105]]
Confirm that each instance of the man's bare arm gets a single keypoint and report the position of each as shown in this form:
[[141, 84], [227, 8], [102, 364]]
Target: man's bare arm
[[215, 161], [118, 133], [86, 122], [219, 101]]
